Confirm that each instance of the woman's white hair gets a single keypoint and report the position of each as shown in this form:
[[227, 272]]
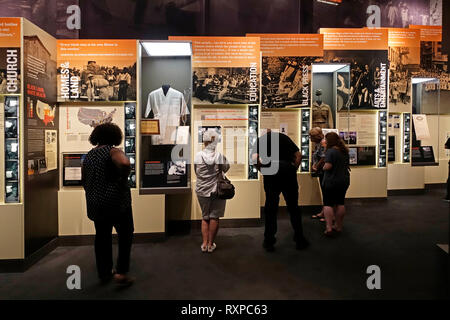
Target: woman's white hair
[[209, 134]]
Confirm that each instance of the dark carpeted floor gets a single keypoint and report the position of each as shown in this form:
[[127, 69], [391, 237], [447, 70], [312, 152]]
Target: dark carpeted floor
[[399, 235]]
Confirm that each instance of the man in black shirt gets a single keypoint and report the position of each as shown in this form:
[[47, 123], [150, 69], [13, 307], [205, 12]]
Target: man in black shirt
[[278, 159]]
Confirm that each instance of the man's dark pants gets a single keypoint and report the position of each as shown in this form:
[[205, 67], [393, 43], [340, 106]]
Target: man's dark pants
[[103, 244], [285, 182], [448, 183]]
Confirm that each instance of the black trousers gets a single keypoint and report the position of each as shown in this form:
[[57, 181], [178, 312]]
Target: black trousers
[[103, 244], [285, 183]]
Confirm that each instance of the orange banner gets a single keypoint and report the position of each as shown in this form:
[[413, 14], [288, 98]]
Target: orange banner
[[223, 51], [10, 32], [96, 70], [401, 37], [121, 51], [290, 45], [429, 33], [354, 39]]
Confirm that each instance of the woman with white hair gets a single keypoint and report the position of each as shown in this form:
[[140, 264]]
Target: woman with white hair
[[209, 164]]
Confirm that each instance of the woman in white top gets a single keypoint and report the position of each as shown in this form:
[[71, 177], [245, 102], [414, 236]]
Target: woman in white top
[[208, 165]]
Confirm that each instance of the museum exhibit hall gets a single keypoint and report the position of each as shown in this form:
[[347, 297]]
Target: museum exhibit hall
[[224, 150]]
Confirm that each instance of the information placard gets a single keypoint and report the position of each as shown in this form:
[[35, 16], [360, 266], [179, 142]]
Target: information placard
[[150, 127]]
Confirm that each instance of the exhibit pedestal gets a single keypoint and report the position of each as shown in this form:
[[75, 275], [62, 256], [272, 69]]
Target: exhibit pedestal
[[402, 176], [148, 213], [12, 234], [368, 183], [437, 174]]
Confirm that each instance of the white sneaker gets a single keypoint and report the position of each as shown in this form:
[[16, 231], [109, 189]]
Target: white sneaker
[[212, 248]]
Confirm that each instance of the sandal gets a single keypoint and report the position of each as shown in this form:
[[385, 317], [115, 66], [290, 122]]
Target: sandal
[[317, 216], [204, 248], [212, 248]]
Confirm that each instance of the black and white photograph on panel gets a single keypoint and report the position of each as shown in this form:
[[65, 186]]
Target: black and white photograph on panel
[[286, 81], [225, 85], [368, 77], [363, 13], [402, 67]]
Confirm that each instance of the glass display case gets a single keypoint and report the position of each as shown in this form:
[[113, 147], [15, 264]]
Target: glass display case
[[330, 110], [12, 151], [165, 117], [425, 146]]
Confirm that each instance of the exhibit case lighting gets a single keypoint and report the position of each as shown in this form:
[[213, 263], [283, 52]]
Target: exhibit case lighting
[[164, 49], [327, 68], [422, 80]]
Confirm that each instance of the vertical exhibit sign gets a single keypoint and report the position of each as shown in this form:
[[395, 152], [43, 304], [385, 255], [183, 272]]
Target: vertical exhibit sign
[[433, 64], [226, 74], [286, 85], [10, 84], [433, 95], [286, 68], [366, 50], [404, 59], [40, 113]]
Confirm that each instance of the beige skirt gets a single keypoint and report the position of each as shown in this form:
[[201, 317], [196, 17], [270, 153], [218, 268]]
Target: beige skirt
[[212, 207]]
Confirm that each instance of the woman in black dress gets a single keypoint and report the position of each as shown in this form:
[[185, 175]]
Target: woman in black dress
[[108, 200], [335, 183]]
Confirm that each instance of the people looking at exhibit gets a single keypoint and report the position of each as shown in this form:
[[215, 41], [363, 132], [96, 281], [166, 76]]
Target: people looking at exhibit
[[278, 158], [336, 181], [209, 164], [108, 199]]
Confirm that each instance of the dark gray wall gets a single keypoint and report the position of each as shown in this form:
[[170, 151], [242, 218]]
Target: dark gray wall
[[324, 81]]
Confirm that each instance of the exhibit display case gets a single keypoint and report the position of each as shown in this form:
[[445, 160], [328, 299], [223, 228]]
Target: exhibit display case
[[166, 87], [425, 138]]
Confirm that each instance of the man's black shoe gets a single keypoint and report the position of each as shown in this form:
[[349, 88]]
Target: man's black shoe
[[269, 246], [302, 244]]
